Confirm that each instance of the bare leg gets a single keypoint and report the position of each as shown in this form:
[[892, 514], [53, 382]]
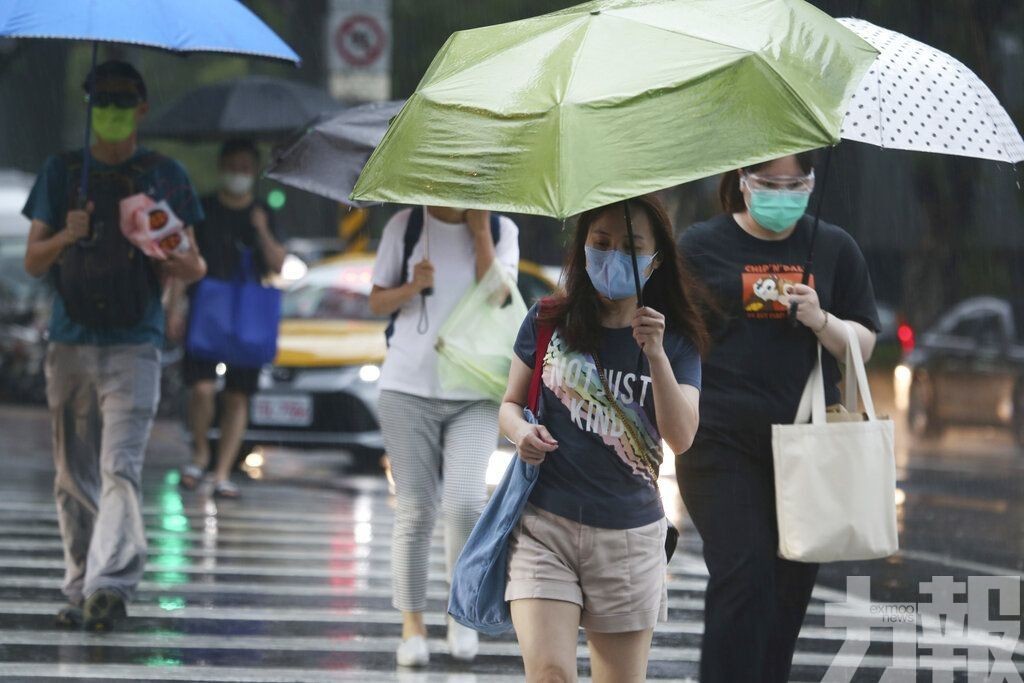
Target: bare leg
[[200, 419], [548, 631], [232, 428], [619, 657], [412, 625]]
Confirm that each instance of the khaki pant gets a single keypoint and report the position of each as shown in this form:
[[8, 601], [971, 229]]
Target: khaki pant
[[102, 403]]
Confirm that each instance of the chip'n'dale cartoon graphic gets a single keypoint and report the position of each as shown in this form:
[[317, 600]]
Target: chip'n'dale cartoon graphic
[[766, 289]]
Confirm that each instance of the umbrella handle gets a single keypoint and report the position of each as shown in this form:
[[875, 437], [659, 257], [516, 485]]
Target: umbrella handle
[[83, 186]]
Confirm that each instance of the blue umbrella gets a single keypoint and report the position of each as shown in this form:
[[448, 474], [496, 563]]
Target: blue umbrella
[[220, 26]]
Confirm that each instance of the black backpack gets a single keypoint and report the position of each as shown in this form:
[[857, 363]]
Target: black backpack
[[104, 280], [413, 231]]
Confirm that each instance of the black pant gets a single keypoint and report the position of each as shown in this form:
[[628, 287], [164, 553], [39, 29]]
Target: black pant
[[755, 601]]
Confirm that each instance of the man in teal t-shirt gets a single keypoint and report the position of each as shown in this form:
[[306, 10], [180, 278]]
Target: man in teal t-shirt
[[107, 326]]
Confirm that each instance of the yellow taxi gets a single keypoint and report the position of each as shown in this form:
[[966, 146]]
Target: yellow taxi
[[321, 391]]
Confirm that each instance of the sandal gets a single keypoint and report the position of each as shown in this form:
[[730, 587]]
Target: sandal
[[190, 476], [226, 489]]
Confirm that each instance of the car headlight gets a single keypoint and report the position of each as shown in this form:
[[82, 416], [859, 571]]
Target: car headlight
[[369, 373], [902, 378]]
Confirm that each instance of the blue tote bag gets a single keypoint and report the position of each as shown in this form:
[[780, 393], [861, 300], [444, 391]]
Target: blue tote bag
[[477, 597], [235, 321]]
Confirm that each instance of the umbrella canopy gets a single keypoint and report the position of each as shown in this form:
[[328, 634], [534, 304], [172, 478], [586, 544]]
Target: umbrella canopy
[[328, 157], [256, 106], [615, 98], [224, 26], [917, 98]]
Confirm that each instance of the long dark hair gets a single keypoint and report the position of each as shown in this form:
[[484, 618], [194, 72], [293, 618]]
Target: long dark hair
[[729, 193], [672, 290]]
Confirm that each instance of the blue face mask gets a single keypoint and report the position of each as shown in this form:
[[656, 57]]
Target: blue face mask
[[778, 210], [611, 272]]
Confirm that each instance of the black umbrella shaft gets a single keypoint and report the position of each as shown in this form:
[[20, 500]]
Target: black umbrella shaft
[[809, 266], [83, 186], [632, 255]]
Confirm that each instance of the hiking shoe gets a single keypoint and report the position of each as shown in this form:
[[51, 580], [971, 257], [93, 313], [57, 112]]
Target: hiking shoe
[[103, 610], [69, 617]]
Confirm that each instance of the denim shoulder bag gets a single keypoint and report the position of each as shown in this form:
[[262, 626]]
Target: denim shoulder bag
[[477, 597]]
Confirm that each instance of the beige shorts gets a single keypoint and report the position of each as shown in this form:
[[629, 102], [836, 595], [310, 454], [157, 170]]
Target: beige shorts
[[617, 576]]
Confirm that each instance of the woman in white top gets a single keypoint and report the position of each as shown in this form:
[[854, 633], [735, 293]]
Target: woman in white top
[[428, 430]]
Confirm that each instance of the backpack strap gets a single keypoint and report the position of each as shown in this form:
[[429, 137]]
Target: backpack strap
[[543, 339], [495, 228], [413, 230]]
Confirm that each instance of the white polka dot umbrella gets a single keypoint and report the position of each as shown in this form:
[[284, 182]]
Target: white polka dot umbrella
[[917, 98]]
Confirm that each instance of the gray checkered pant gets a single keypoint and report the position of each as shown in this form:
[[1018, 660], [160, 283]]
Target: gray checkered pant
[[424, 438]]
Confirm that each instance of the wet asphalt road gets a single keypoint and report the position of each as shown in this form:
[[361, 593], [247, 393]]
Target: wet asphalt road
[[292, 582]]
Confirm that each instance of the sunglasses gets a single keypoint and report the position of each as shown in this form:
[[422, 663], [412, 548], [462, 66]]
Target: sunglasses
[[122, 100]]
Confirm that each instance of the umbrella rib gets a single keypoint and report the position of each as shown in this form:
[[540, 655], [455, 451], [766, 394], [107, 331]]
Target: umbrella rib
[[799, 99], [682, 33], [559, 163]]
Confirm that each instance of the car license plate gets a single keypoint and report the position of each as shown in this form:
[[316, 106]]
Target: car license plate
[[282, 411]]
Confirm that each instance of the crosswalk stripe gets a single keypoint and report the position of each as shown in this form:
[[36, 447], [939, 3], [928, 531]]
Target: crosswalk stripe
[[231, 674], [361, 572], [391, 617], [387, 644], [356, 590]]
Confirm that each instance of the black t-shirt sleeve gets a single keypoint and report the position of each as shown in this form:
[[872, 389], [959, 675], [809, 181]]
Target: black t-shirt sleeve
[[526, 342], [854, 297]]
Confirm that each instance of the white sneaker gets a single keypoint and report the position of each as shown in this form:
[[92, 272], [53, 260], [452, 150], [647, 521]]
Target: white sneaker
[[413, 652], [463, 642]]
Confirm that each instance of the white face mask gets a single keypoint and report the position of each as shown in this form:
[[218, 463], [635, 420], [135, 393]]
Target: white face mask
[[237, 183]]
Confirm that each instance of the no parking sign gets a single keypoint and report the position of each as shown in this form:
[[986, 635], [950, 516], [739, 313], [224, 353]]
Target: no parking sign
[[359, 49]]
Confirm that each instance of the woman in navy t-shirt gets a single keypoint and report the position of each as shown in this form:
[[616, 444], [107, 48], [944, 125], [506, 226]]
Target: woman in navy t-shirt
[[617, 380], [752, 258]]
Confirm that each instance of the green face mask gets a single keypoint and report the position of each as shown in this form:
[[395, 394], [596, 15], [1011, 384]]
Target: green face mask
[[778, 210], [113, 124]]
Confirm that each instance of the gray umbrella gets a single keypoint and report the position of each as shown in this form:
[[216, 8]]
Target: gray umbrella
[[329, 156], [252, 106]]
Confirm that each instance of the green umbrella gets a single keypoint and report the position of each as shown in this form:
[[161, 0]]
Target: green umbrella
[[609, 100]]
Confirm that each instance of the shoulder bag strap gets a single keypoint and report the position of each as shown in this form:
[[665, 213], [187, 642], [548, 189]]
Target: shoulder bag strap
[[544, 334]]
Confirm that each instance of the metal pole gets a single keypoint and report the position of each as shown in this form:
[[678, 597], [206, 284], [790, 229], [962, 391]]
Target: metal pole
[[83, 186], [809, 266], [632, 255]]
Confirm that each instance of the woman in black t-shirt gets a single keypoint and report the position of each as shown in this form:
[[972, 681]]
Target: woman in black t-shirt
[[752, 258]]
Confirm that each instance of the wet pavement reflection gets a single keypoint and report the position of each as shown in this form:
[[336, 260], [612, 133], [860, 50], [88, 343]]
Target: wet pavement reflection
[[292, 582]]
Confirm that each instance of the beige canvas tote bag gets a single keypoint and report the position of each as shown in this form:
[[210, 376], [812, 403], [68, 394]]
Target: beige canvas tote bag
[[835, 473]]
